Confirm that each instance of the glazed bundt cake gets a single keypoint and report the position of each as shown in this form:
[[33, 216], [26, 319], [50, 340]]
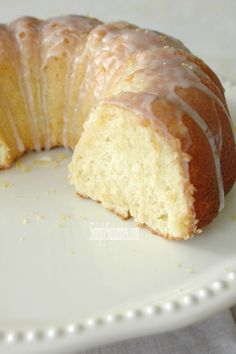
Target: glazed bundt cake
[[148, 120]]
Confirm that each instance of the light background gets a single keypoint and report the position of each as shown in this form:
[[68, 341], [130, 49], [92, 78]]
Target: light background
[[207, 27]]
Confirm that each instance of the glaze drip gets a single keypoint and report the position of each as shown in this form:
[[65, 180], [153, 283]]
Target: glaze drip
[[64, 36]]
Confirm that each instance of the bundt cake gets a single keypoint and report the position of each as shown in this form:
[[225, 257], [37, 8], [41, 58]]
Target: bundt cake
[[148, 120]]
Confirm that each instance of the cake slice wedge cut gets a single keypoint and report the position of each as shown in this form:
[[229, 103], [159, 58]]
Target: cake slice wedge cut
[[135, 171]]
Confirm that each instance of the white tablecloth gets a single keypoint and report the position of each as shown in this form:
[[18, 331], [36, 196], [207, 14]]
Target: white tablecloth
[[216, 335]]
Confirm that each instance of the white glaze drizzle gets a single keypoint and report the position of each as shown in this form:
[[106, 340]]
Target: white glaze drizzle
[[63, 35], [119, 41], [26, 27], [4, 43], [43, 86]]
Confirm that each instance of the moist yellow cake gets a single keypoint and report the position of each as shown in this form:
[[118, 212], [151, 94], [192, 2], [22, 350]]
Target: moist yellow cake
[[147, 119]]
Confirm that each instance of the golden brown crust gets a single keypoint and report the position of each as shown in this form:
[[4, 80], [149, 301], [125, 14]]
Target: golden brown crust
[[228, 153], [202, 175], [202, 167], [82, 196]]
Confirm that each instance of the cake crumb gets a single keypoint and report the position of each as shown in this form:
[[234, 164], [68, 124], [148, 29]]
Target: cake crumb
[[30, 216], [40, 162], [39, 217], [64, 217], [186, 268], [23, 167], [44, 160], [61, 156], [25, 221], [48, 160], [55, 164], [234, 218], [6, 185], [26, 168]]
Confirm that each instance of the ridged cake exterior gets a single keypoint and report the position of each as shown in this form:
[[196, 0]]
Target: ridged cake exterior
[[148, 119]]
